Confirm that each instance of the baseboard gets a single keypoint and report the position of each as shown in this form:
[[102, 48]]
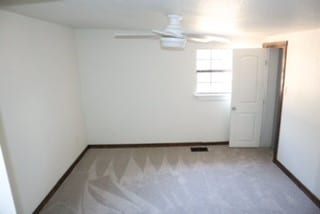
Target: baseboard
[[97, 146], [295, 180], [176, 144], [314, 198], [60, 181]]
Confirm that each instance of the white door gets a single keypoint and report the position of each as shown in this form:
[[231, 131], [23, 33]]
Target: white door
[[249, 72]]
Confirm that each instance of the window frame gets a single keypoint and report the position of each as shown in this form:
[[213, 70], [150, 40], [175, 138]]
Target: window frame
[[212, 95]]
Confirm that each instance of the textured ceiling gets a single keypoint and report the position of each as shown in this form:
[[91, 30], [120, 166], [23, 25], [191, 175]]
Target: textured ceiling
[[231, 17]]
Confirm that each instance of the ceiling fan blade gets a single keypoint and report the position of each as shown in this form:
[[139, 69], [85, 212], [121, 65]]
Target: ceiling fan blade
[[167, 34], [18, 2], [199, 37], [201, 40], [134, 36]]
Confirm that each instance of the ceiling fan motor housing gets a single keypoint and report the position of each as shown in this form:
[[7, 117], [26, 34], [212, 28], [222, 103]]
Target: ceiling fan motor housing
[[171, 42]]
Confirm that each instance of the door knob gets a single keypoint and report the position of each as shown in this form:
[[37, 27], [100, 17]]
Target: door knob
[[234, 108]]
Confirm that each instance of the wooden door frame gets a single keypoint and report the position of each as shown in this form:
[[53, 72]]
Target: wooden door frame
[[284, 46]]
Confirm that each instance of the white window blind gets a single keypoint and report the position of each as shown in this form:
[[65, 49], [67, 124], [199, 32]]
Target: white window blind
[[214, 71]]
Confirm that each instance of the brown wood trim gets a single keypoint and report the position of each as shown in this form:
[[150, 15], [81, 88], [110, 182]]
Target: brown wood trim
[[106, 146], [60, 181], [301, 186], [279, 44], [284, 46], [109, 146], [114, 146]]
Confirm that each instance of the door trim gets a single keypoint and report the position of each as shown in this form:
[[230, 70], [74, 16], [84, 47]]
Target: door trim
[[284, 46]]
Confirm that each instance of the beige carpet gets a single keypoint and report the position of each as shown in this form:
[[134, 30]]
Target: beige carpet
[[174, 180]]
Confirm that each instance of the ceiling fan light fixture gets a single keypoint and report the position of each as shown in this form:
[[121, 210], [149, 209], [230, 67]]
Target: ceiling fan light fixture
[[170, 42]]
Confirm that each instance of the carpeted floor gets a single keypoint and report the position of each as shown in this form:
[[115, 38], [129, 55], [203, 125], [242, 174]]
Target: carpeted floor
[[174, 180]]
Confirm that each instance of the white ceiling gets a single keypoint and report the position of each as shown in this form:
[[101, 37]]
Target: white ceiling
[[259, 17]]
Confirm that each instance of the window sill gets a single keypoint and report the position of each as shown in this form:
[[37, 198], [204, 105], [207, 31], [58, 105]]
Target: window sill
[[212, 96]]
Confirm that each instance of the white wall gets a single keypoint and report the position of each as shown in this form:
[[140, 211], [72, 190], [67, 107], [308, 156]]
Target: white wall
[[300, 136], [135, 92], [39, 105]]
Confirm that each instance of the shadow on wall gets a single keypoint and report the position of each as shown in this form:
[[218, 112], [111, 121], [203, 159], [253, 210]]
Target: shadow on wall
[[7, 204]]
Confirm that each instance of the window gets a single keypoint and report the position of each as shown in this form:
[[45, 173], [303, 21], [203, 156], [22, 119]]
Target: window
[[214, 71]]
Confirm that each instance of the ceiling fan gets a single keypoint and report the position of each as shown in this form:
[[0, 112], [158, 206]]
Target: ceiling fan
[[174, 37]]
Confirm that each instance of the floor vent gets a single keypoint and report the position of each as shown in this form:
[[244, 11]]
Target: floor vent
[[199, 149]]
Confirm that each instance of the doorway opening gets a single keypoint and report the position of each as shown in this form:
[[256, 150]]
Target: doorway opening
[[283, 45]]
